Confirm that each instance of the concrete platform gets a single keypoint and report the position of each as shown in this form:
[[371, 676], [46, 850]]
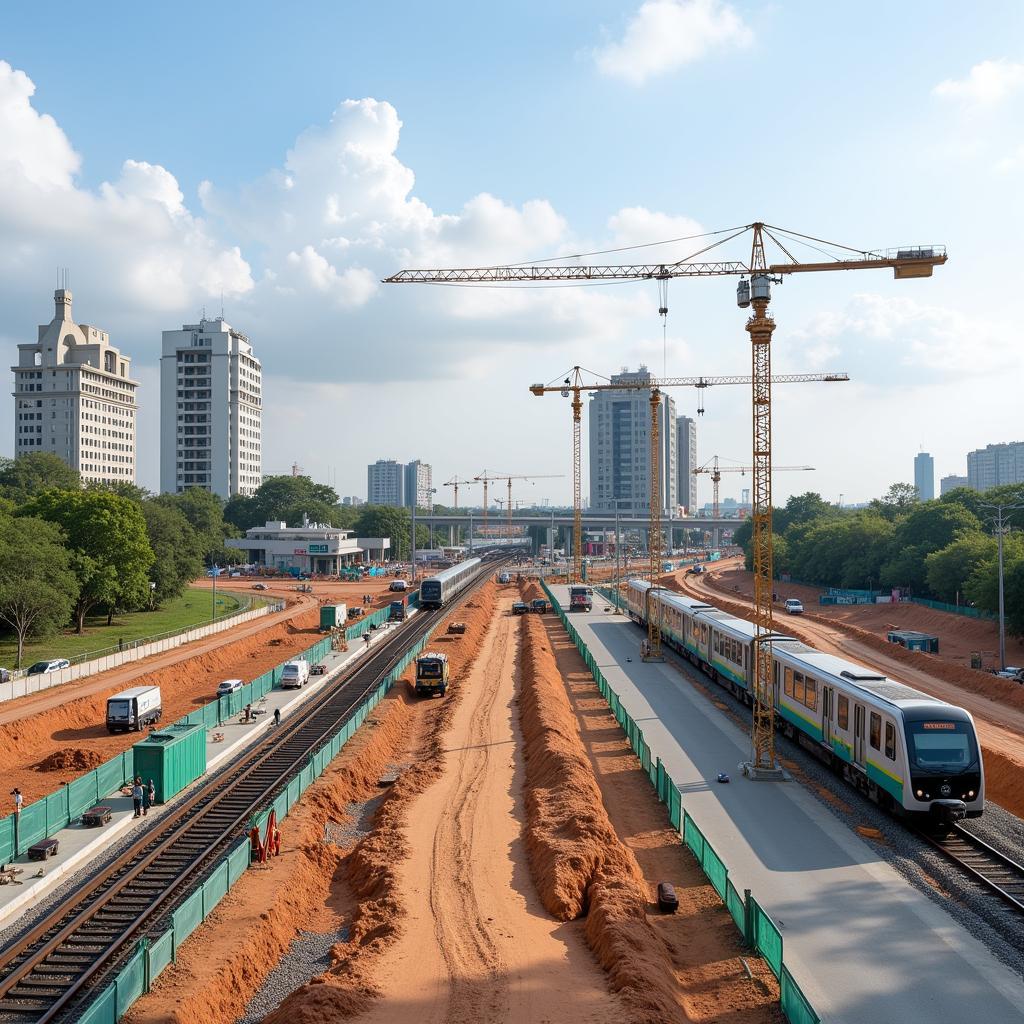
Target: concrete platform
[[862, 943], [80, 845]]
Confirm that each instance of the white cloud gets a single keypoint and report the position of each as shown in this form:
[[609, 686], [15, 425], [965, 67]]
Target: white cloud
[[987, 83], [664, 35]]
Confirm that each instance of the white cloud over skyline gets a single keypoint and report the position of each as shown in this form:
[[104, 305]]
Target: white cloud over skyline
[[665, 35], [987, 83]]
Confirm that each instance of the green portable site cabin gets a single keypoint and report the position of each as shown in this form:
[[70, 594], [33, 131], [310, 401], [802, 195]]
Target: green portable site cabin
[[172, 758], [332, 615], [914, 640]]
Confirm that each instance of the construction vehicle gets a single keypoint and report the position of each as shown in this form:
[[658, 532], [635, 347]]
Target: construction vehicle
[[431, 674], [753, 290], [581, 598]]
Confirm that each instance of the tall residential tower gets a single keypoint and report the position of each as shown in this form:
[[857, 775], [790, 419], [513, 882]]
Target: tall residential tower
[[211, 411], [620, 448], [385, 483], [924, 476], [74, 397], [686, 453]]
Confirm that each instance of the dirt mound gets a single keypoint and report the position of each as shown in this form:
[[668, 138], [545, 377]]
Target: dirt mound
[[578, 863], [70, 759]]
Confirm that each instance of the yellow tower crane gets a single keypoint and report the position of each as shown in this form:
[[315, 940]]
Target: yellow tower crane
[[575, 384], [906, 262], [712, 468], [456, 483]]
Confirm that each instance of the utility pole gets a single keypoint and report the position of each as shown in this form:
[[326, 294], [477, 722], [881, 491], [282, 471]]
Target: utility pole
[[1001, 527], [215, 568]]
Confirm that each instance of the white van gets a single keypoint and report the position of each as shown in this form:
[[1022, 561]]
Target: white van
[[294, 674], [132, 710], [229, 686]]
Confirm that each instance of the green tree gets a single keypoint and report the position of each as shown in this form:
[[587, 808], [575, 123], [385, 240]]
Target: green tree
[[178, 554], [110, 552], [898, 499], [948, 569], [799, 509], [28, 475], [205, 514], [37, 587], [929, 526], [285, 498], [386, 521]]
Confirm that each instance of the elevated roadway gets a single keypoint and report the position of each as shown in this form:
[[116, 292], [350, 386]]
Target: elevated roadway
[[862, 943]]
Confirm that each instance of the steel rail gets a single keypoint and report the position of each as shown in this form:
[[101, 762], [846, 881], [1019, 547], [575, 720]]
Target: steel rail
[[29, 985], [995, 871]]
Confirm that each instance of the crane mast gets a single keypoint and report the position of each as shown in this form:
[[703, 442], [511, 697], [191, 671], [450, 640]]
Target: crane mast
[[907, 262]]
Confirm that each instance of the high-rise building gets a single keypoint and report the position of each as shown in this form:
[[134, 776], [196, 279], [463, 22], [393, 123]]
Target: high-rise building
[[950, 483], [74, 397], [620, 450], [924, 476], [211, 410], [995, 465], [385, 483], [418, 484], [686, 454]]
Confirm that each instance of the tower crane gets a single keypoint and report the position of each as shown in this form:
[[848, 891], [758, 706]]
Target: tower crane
[[575, 384], [456, 483], [753, 289], [715, 470], [527, 476]]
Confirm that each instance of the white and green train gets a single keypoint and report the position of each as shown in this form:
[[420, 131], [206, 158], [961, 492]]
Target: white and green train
[[905, 749]]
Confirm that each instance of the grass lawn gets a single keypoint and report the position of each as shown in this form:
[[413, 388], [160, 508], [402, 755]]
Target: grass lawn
[[193, 608]]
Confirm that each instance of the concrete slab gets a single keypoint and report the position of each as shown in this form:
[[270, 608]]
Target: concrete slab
[[80, 845], [862, 943]]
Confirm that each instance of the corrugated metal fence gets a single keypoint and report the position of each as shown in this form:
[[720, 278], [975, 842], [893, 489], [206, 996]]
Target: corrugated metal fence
[[759, 931]]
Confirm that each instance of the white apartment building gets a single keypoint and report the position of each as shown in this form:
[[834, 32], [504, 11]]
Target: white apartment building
[[995, 465], [950, 483], [385, 483], [686, 452], [211, 410], [419, 484], [74, 397], [620, 448]]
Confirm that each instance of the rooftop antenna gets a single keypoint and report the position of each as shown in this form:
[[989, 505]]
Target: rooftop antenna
[[222, 305]]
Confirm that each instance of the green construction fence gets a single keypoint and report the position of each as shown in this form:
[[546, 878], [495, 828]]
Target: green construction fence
[[153, 955], [759, 931], [48, 815]]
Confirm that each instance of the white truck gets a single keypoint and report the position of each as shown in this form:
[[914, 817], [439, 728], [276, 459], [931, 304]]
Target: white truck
[[132, 710], [294, 674]]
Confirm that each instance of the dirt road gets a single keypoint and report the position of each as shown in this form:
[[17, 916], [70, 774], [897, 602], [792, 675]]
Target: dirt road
[[478, 946]]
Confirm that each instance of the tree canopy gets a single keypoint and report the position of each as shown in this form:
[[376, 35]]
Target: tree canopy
[[28, 475]]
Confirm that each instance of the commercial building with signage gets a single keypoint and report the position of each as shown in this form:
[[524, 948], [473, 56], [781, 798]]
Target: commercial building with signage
[[312, 548]]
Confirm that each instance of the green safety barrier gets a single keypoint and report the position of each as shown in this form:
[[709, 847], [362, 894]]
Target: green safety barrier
[[752, 921]]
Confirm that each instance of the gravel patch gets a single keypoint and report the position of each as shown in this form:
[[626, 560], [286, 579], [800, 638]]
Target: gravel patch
[[993, 923], [308, 955]]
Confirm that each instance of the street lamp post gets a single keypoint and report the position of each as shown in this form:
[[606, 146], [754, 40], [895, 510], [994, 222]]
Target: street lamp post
[[1001, 526], [213, 575]]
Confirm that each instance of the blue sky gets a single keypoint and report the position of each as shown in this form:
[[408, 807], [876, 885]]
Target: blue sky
[[825, 118]]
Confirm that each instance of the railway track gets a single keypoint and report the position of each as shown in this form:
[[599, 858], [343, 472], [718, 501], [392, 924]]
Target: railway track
[[997, 874], [51, 971]]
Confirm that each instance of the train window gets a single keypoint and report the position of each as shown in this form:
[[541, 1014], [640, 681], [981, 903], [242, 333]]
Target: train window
[[890, 741], [843, 712], [876, 730], [787, 684], [811, 693], [798, 686]]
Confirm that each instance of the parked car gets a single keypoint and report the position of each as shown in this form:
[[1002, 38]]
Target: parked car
[[793, 606], [42, 668], [398, 585], [1012, 672], [259, 586], [520, 608], [5, 675], [503, 577], [229, 686]]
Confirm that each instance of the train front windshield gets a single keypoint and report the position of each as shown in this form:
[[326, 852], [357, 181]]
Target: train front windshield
[[431, 591], [941, 746]]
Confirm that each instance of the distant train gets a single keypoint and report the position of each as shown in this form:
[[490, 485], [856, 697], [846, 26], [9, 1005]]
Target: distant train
[[906, 750], [437, 591]]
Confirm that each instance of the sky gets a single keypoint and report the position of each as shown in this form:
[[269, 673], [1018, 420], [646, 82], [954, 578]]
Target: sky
[[277, 161]]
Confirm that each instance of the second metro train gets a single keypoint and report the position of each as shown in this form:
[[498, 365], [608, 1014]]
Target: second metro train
[[905, 749]]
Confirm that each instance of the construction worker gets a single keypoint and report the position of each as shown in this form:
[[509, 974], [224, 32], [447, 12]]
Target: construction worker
[[277, 716]]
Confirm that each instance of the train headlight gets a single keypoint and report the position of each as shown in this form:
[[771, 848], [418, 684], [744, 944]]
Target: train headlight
[[970, 793], [919, 793]]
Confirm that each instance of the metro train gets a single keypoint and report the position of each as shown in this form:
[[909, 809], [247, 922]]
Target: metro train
[[906, 750], [437, 591]]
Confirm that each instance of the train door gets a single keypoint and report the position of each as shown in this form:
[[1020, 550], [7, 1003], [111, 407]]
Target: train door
[[826, 714], [858, 734]]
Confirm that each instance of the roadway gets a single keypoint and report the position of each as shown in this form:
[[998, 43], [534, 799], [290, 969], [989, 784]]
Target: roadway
[[862, 943]]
